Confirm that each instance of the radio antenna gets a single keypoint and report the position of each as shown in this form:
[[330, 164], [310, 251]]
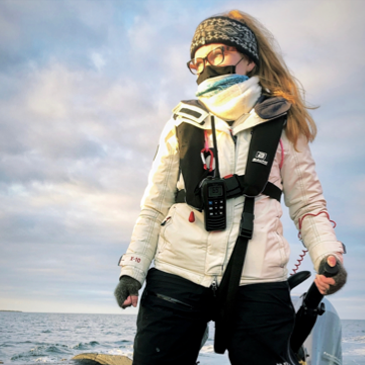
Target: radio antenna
[[216, 170]]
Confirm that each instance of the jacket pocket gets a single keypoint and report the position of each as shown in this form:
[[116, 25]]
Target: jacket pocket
[[166, 223], [283, 245], [183, 243]]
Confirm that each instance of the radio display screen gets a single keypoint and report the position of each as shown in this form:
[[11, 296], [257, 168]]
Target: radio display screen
[[215, 191]]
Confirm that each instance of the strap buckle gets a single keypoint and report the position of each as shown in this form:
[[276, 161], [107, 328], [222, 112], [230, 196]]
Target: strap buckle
[[233, 185], [246, 226]]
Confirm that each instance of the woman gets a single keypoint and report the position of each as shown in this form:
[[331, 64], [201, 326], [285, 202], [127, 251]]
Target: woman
[[236, 65]]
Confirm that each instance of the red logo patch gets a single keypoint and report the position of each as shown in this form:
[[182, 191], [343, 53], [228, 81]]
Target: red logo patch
[[136, 259]]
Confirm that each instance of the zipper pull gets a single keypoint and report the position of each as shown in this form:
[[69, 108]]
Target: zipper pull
[[233, 137], [214, 286], [165, 221]]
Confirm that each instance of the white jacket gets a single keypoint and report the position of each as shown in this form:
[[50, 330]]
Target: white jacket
[[186, 249]]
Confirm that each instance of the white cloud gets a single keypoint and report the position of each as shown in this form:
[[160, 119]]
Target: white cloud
[[98, 60]]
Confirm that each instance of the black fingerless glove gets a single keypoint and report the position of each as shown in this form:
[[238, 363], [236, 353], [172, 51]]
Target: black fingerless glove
[[127, 286], [340, 278]]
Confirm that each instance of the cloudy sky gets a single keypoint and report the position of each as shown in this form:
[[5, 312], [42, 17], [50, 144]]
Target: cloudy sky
[[85, 89]]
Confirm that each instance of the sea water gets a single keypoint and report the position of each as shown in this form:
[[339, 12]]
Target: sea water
[[56, 338]]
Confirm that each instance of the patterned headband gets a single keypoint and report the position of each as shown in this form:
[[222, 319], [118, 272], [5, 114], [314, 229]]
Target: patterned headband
[[228, 31]]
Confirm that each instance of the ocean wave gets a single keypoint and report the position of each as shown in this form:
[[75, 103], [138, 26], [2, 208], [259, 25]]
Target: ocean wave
[[85, 346], [45, 359], [12, 344], [358, 339], [43, 350], [354, 351], [122, 342], [124, 352]]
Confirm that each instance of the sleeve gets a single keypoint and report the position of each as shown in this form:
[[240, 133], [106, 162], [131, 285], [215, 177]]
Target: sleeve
[[307, 206], [158, 197]]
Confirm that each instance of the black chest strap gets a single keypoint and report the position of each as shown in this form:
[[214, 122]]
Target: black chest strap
[[235, 187], [227, 290], [264, 143]]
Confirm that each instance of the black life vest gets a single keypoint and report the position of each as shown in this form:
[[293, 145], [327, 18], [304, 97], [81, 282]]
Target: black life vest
[[263, 146]]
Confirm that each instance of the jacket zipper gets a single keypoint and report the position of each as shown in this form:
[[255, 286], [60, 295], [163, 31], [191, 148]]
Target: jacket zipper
[[171, 300], [236, 148], [234, 138]]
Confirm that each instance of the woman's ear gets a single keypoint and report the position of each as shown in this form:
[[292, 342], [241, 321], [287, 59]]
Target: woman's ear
[[251, 66]]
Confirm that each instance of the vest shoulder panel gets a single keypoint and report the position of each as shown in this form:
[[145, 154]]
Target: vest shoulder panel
[[271, 107], [191, 111]]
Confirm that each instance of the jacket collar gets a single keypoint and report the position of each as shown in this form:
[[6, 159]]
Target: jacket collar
[[195, 113]]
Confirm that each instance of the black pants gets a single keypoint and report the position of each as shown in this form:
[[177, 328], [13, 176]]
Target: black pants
[[174, 313]]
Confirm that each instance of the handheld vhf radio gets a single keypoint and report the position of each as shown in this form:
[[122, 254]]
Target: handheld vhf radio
[[214, 199], [213, 192]]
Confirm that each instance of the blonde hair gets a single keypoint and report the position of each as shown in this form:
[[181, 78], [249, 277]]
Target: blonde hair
[[276, 79]]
